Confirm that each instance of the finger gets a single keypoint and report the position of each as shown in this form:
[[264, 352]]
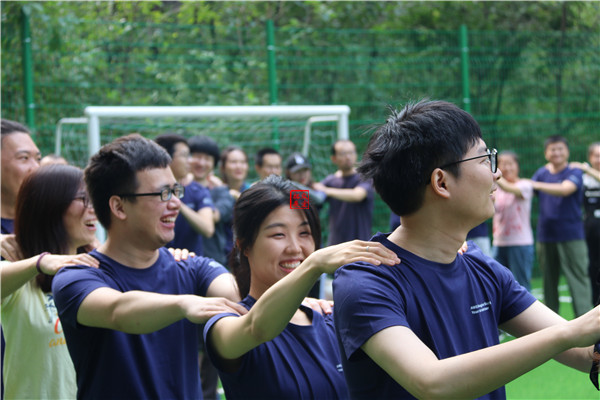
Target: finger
[[192, 254], [184, 254]]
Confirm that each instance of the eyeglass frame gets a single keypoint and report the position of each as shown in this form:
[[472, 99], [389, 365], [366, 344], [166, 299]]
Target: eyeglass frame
[[170, 191], [491, 153], [85, 198]]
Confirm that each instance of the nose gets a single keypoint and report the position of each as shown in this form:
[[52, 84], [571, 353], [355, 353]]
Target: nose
[[498, 174], [174, 203], [293, 246]]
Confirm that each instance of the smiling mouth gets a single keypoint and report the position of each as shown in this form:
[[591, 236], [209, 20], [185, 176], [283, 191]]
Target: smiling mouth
[[90, 224], [290, 266], [169, 220]]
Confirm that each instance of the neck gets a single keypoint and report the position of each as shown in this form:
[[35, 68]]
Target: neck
[[555, 168], [236, 184], [124, 252], [8, 206], [426, 239], [348, 172]]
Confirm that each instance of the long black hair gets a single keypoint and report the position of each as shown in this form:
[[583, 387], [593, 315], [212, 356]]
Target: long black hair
[[43, 198]]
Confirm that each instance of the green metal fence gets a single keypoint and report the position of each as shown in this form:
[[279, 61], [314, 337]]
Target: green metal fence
[[520, 86]]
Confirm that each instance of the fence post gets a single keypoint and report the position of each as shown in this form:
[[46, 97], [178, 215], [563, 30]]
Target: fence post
[[27, 69], [464, 66], [272, 78]]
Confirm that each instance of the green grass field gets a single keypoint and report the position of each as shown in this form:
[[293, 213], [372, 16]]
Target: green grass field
[[553, 380]]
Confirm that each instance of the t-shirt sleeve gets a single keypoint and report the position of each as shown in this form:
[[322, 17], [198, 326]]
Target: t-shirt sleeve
[[70, 286], [576, 176], [205, 271], [366, 302], [209, 348]]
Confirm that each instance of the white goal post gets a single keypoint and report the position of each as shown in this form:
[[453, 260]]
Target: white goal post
[[313, 113]]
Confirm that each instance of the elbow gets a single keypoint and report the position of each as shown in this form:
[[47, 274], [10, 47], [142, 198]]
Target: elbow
[[209, 231]]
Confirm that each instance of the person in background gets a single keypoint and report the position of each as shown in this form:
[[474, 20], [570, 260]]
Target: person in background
[[53, 159], [428, 328], [130, 325], [234, 171], [479, 236], [513, 236], [195, 220], [591, 204], [561, 242], [350, 198], [204, 157], [394, 221], [281, 349], [19, 157], [298, 170], [53, 216], [267, 162]]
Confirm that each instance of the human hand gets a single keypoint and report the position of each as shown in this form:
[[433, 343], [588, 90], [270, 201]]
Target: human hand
[[9, 248], [585, 330], [318, 305], [463, 249], [331, 258], [319, 186], [199, 309], [181, 254], [580, 165], [50, 264]]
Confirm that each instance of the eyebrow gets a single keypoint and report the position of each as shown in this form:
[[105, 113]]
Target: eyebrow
[[281, 224], [37, 153]]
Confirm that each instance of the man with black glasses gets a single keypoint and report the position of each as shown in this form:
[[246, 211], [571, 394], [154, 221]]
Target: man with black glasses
[[428, 327], [130, 325]]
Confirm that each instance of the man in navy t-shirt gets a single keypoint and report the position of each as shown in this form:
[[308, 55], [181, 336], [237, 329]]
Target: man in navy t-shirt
[[130, 325], [350, 197], [560, 236], [428, 327]]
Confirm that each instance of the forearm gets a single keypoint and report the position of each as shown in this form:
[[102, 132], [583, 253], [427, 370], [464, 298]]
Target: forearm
[[134, 312], [349, 195], [509, 187], [562, 189], [15, 274], [201, 221]]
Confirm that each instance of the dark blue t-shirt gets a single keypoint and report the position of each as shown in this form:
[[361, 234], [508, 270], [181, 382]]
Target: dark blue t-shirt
[[8, 226], [112, 364], [196, 197], [349, 220], [302, 362], [453, 308], [560, 218]]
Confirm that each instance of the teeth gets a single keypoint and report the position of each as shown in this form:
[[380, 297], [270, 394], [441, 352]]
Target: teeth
[[290, 265], [170, 219]]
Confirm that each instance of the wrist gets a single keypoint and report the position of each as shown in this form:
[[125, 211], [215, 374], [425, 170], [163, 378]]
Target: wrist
[[39, 260]]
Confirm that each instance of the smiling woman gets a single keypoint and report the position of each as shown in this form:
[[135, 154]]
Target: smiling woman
[[53, 215], [279, 341]]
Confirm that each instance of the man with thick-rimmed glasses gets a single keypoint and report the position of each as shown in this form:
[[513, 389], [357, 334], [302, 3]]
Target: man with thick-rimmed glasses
[[130, 325], [428, 327]]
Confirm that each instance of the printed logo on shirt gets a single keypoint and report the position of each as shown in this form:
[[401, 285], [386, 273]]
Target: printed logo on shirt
[[214, 264], [481, 307], [339, 368]]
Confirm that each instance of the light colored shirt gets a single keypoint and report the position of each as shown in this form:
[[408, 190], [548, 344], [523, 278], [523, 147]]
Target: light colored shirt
[[512, 220]]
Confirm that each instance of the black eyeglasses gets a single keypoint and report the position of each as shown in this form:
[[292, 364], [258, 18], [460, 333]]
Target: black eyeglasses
[[165, 194], [84, 198], [492, 154]]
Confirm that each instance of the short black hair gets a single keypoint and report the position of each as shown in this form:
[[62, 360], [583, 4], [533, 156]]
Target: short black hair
[[169, 140], [206, 145], [555, 139], [403, 152], [258, 160], [112, 170], [9, 127]]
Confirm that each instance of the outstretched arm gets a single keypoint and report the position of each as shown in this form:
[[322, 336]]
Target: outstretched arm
[[563, 189], [509, 187], [231, 338], [13, 275], [139, 312], [414, 366], [585, 167], [202, 221]]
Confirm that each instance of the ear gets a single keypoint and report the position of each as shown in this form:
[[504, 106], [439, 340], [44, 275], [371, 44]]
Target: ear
[[439, 183], [117, 207]]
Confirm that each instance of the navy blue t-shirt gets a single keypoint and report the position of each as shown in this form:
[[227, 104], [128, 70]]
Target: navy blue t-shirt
[[453, 308], [8, 226], [302, 362], [112, 364], [196, 197]]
